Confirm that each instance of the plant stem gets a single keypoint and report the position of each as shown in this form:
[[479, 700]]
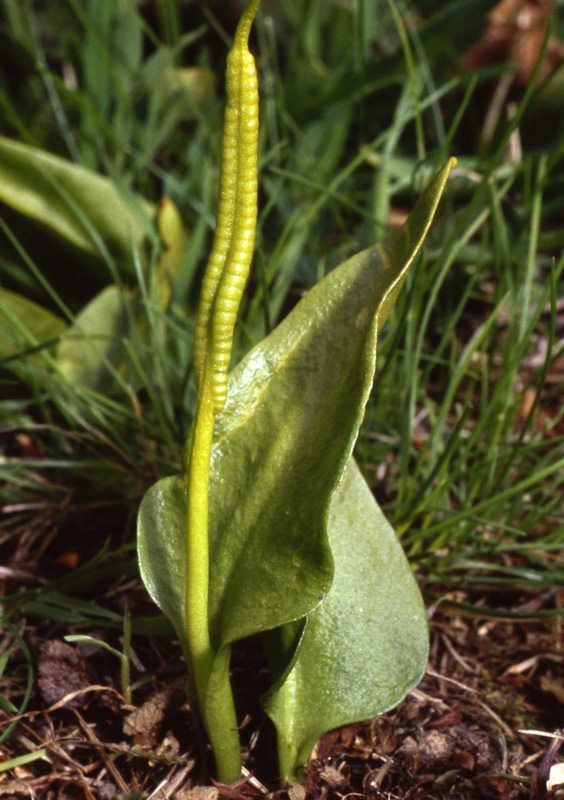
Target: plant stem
[[222, 720], [197, 545], [210, 672]]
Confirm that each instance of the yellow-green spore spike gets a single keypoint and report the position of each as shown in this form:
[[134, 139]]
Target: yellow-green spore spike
[[224, 227], [238, 262], [245, 23], [230, 260], [224, 280]]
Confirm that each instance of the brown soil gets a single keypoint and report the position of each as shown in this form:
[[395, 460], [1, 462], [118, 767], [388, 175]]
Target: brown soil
[[460, 734]]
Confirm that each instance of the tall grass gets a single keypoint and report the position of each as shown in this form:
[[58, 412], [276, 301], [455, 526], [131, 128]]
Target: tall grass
[[463, 436]]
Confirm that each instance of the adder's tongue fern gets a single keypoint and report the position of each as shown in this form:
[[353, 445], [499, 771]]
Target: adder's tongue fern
[[266, 573]]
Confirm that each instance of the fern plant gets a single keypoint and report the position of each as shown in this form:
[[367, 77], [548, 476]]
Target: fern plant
[[272, 529]]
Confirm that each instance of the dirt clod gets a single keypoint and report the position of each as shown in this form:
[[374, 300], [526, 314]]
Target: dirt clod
[[61, 671], [143, 724]]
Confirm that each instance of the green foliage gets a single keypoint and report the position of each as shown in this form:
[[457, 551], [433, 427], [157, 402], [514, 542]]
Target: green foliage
[[94, 341], [81, 214], [319, 188], [462, 439], [25, 326], [365, 646], [294, 408]]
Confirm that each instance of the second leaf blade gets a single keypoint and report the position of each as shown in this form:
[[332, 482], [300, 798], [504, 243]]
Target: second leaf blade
[[366, 645]]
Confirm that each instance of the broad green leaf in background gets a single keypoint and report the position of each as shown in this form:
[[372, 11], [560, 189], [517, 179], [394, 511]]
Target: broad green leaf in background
[[94, 340], [174, 239], [24, 324], [81, 209], [196, 85], [293, 412], [365, 646]]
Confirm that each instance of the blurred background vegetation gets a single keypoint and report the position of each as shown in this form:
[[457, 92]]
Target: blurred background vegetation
[[111, 115]]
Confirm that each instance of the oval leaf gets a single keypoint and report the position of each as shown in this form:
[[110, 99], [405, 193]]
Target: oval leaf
[[76, 205], [93, 343], [365, 647], [24, 325], [161, 549]]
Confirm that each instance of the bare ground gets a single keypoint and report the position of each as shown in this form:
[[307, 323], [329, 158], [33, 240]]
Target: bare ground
[[460, 734]]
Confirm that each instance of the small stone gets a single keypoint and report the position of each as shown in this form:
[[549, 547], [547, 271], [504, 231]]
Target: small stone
[[199, 793], [556, 777], [296, 792]]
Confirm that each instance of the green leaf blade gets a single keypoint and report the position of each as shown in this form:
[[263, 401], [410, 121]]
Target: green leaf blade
[[365, 647], [83, 211], [161, 549], [92, 345], [24, 324], [294, 408]]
